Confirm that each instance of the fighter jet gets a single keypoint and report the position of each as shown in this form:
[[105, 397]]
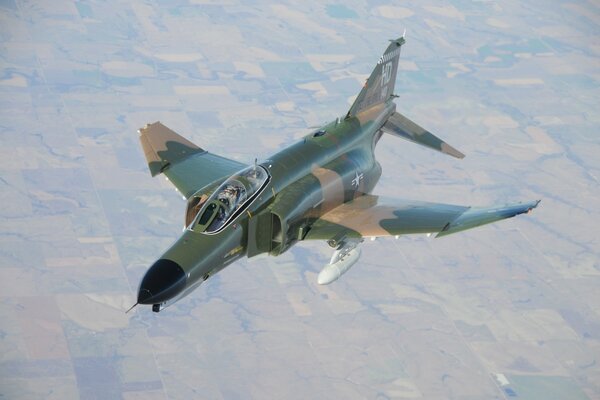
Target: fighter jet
[[318, 188]]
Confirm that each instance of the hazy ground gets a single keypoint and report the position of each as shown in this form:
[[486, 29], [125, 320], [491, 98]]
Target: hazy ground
[[505, 311]]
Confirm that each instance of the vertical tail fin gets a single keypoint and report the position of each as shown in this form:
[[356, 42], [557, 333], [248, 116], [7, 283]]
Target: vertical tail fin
[[380, 85]]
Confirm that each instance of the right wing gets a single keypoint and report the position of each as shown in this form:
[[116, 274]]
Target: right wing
[[374, 216], [186, 165]]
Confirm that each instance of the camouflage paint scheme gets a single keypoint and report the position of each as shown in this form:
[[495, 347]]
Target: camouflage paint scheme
[[318, 189]]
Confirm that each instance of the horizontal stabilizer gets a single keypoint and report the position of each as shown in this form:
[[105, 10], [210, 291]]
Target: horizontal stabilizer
[[475, 217], [399, 125]]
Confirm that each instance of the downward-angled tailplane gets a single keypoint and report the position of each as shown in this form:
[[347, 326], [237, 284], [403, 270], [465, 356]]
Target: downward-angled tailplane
[[400, 126], [379, 89]]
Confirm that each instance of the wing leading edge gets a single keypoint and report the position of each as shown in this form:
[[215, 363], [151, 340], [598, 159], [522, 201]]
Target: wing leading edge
[[186, 165], [374, 216]]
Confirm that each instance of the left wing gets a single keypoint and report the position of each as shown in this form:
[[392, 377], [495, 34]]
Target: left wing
[[186, 165], [374, 216]]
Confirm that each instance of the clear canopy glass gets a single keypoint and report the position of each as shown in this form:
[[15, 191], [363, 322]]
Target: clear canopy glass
[[230, 198]]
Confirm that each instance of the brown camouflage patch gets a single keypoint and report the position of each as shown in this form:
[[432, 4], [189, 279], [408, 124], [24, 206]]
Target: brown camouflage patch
[[370, 114], [332, 187], [359, 216], [162, 147]]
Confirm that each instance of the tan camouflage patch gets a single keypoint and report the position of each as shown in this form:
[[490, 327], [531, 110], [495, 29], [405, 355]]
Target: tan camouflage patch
[[447, 149], [332, 187], [353, 216], [163, 146], [370, 114]]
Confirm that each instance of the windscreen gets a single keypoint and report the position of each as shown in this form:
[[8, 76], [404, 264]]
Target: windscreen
[[230, 198]]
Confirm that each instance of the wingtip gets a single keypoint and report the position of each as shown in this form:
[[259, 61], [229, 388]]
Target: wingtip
[[534, 204], [447, 149], [144, 130], [537, 203]]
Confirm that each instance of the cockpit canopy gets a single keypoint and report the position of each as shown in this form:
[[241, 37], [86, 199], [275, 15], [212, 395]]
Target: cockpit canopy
[[230, 199]]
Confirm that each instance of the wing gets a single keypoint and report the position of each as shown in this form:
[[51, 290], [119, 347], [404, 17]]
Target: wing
[[374, 216], [186, 165]]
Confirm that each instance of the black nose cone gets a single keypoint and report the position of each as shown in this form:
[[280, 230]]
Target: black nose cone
[[163, 281]]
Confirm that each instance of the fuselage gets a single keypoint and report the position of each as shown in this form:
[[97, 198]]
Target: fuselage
[[306, 179], [318, 188]]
